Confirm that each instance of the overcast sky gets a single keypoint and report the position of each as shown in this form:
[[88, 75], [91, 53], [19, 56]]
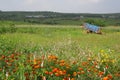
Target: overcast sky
[[67, 6]]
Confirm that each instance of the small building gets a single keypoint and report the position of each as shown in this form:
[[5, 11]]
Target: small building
[[92, 28]]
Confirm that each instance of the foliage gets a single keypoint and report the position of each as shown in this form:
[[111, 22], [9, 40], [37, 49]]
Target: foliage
[[98, 22], [60, 18], [57, 52], [23, 66], [7, 27]]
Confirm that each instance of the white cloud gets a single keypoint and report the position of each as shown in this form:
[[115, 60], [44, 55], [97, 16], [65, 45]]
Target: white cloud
[[29, 2], [86, 1], [62, 5], [94, 0]]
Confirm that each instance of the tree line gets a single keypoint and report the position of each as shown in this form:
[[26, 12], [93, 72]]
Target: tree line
[[54, 18]]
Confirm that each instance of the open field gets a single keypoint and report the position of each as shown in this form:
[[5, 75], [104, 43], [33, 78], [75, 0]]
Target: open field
[[47, 35], [58, 52]]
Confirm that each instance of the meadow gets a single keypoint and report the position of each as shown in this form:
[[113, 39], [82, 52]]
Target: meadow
[[58, 52]]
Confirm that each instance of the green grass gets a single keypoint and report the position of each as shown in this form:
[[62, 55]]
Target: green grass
[[56, 38], [65, 36], [70, 43]]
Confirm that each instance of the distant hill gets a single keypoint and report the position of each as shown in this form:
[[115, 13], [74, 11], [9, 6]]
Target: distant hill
[[47, 17]]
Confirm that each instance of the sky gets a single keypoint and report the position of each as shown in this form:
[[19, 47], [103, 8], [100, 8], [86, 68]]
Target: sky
[[65, 6]]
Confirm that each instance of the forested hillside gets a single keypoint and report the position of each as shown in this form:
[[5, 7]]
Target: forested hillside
[[61, 18]]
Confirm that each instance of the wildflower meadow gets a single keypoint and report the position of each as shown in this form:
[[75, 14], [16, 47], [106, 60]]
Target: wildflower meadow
[[54, 52]]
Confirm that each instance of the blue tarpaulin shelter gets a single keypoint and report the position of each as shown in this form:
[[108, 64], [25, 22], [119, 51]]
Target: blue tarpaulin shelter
[[91, 27]]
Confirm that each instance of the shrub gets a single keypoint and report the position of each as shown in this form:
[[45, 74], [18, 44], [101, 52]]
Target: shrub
[[7, 28], [98, 22]]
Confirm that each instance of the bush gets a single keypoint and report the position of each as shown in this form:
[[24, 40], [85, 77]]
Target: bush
[[12, 28], [9, 28], [98, 22]]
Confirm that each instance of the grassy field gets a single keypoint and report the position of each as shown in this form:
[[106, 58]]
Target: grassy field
[[78, 50], [51, 35]]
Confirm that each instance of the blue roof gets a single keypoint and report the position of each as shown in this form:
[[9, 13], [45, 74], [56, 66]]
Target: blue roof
[[91, 27]]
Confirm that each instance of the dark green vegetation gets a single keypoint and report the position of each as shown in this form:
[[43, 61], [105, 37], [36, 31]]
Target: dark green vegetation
[[61, 18]]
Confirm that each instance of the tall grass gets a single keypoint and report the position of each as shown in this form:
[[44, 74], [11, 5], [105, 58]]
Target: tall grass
[[69, 43]]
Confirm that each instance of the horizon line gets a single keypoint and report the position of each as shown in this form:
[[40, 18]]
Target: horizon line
[[60, 12]]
